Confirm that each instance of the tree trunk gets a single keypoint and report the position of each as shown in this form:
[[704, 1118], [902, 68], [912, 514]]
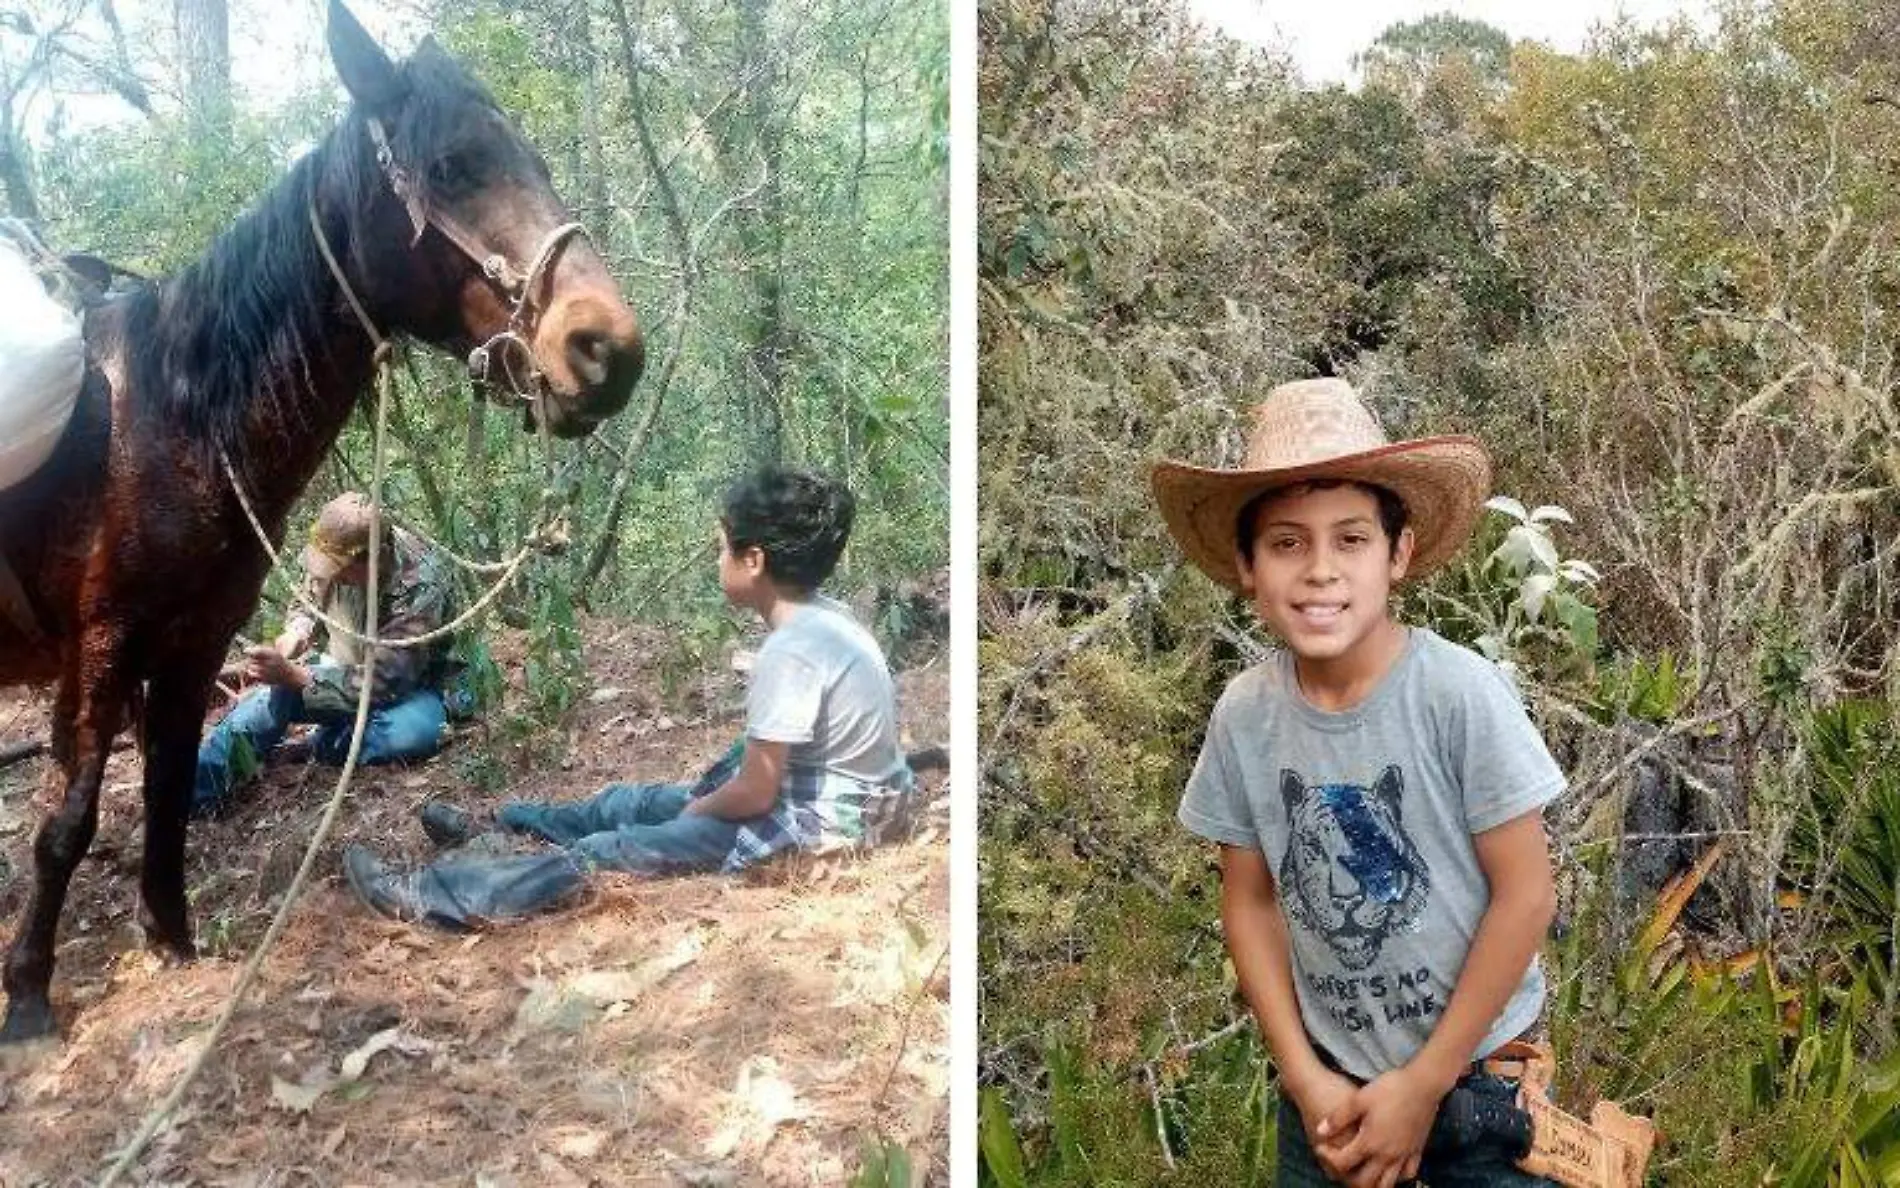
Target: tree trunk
[[204, 52], [13, 176], [21, 203], [642, 431], [762, 231], [599, 214]]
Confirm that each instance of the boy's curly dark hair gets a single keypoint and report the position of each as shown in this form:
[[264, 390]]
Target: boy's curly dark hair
[[799, 518]]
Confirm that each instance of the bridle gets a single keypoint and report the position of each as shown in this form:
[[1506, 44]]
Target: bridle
[[505, 362], [549, 535]]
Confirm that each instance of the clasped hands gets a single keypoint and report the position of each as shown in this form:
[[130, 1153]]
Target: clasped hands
[[1371, 1135]]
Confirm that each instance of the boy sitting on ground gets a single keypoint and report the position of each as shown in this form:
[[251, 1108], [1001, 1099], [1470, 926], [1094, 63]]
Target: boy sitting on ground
[[1375, 792], [819, 766]]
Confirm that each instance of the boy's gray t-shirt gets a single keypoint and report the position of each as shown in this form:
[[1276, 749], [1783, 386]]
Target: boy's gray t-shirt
[[820, 683], [1366, 818]]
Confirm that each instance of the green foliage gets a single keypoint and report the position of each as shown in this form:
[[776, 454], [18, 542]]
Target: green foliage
[[554, 670], [1211, 1118], [1782, 663], [1637, 688], [150, 198], [482, 768], [1753, 1079], [885, 1164], [1845, 846], [690, 651], [1513, 597], [1654, 278], [244, 763], [1411, 48], [216, 934], [1000, 1156], [480, 672]]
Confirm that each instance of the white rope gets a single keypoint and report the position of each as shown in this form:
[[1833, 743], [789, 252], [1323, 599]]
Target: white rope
[[480, 568], [540, 537], [165, 1108], [553, 531]]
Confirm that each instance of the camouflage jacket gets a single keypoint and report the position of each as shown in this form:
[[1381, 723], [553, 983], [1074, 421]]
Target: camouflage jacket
[[417, 597]]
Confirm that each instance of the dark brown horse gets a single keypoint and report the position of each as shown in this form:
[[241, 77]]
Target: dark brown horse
[[134, 555]]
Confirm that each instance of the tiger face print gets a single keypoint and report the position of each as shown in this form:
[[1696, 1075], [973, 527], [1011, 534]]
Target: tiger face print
[[1351, 873]]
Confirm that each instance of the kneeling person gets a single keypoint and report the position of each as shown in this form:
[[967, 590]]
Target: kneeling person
[[407, 712], [819, 767]]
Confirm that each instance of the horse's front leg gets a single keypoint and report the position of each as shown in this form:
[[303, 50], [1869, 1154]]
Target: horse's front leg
[[87, 714], [174, 720]]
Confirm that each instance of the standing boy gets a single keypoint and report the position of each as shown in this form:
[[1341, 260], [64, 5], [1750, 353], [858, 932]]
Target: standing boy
[[820, 765], [1374, 790]]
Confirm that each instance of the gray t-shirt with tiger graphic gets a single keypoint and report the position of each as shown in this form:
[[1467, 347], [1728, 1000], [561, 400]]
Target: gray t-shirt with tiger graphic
[[1366, 819]]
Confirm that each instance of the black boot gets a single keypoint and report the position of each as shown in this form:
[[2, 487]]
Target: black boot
[[461, 895], [446, 825]]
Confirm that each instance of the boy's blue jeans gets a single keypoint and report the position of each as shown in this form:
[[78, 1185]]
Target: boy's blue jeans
[[636, 828], [1481, 1167], [410, 728]]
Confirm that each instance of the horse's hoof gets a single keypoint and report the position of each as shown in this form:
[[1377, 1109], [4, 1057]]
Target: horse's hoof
[[172, 953], [28, 1021], [173, 948]]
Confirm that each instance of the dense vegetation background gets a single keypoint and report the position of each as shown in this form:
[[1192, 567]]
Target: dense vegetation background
[[767, 179], [1659, 279]]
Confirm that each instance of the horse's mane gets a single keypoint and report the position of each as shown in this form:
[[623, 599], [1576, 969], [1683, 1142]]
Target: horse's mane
[[242, 324]]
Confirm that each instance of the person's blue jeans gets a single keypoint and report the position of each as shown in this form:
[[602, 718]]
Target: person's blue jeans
[[1480, 1167], [635, 828], [410, 728]]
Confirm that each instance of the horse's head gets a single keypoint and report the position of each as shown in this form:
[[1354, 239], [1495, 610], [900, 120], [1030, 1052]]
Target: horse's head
[[494, 265]]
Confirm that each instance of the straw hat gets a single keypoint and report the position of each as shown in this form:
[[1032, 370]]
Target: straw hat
[[339, 537], [1318, 429]]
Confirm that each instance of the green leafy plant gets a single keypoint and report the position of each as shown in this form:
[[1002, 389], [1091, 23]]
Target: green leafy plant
[[244, 761], [1809, 1068], [885, 1164], [1650, 691], [480, 673], [553, 671], [1546, 591], [1844, 848], [216, 935], [999, 1155]]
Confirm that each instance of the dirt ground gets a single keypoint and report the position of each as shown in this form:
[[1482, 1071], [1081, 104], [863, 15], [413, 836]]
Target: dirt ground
[[695, 1031]]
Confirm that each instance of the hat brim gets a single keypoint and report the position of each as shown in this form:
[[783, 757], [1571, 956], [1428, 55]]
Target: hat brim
[[322, 566], [1443, 481]]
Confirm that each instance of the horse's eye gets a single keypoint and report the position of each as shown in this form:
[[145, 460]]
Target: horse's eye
[[452, 174]]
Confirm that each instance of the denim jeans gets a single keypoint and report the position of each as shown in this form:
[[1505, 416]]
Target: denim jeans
[[410, 728], [1479, 1167], [635, 828]]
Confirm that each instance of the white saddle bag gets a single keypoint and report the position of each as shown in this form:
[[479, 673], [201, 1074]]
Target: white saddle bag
[[42, 363]]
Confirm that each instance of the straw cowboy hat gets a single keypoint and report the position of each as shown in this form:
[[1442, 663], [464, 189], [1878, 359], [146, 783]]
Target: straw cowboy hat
[[339, 537], [1318, 429]]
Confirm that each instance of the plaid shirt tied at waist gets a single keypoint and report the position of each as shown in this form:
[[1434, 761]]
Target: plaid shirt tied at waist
[[818, 811]]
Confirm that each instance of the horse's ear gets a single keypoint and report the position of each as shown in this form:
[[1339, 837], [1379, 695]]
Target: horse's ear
[[368, 74]]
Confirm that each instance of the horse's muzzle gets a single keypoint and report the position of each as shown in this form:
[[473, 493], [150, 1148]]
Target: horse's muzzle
[[592, 354]]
